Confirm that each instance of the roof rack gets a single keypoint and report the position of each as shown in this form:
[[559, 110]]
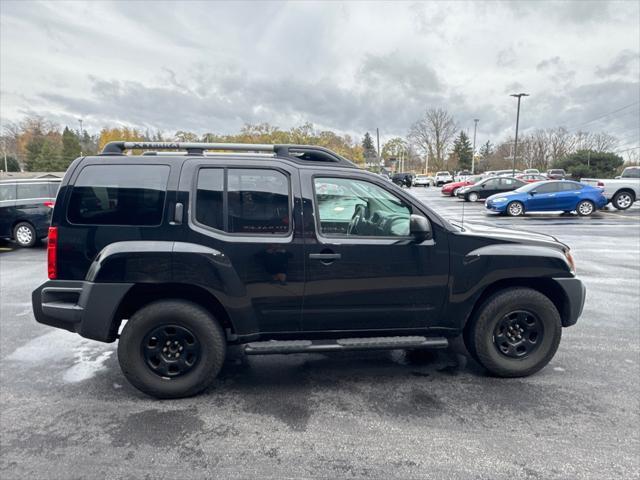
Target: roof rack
[[296, 152]]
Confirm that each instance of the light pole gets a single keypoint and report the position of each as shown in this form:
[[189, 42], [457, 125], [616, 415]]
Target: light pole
[[515, 146], [80, 122], [4, 152], [473, 156]]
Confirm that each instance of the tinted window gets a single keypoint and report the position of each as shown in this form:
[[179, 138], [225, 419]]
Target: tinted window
[[33, 190], [119, 195], [209, 198], [631, 172], [509, 183], [547, 188], [348, 207], [570, 186], [53, 189], [7, 191], [257, 201], [493, 183]]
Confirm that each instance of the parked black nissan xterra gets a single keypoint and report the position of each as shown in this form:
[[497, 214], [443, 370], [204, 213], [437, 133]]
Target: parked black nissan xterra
[[285, 249]]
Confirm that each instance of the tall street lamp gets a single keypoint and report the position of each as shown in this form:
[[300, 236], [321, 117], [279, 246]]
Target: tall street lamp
[[515, 146], [473, 157]]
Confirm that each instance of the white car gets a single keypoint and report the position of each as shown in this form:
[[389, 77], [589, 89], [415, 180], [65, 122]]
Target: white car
[[442, 178], [422, 180]]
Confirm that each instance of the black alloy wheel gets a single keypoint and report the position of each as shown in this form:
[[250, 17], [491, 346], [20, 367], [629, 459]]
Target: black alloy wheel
[[171, 350], [518, 334]]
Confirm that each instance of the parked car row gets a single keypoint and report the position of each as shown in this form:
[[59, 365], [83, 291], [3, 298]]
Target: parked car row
[[528, 192]]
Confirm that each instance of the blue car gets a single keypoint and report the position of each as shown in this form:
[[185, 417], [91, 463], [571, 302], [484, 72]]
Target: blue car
[[555, 195]]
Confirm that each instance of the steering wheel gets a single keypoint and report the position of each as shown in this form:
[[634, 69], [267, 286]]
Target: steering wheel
[[357, 218]]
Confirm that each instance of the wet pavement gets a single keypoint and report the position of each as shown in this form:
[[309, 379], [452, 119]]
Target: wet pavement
[[67, 412]]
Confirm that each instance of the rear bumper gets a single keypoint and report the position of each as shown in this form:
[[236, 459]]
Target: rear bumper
[[576, 294], [83, 307]]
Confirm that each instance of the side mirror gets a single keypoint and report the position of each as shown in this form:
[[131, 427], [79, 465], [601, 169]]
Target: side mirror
[[532, 193], [419, 228]]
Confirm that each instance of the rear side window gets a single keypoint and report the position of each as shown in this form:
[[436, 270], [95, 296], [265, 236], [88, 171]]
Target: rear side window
[[250, 201], [27, 191], [7, 191], [119, 195], [548, 188], [570, 187], [53, 189]]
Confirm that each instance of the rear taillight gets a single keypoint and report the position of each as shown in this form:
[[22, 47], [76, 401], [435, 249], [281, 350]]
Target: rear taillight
[[52, 253], [600, 184], [49, 204]]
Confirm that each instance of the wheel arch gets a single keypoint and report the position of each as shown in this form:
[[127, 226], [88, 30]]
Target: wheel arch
[[546, 286], [626, 190], [142, 294], [19, 221]]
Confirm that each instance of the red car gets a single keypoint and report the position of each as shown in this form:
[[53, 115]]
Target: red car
[[531, 177], [450, 189]]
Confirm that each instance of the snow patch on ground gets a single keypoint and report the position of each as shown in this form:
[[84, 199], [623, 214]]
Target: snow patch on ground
[[88, 357]]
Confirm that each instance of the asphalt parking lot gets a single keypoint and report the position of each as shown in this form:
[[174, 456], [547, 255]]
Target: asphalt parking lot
[[67, 412]]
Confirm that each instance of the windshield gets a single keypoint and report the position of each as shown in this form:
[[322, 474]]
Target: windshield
[[631, 172], [442, 173]]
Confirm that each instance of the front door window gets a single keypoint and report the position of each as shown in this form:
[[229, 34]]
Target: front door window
[[356, 208]]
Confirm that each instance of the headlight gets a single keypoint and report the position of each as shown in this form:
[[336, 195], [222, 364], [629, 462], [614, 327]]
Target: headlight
[[570, 261], [498, 200]]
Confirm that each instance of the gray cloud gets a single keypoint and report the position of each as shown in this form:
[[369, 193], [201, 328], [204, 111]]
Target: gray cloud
[[350, 67], [624, 63]]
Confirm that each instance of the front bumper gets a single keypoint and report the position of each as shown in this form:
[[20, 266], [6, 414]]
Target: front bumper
[[575, 293], [83, 307], [496, 207]]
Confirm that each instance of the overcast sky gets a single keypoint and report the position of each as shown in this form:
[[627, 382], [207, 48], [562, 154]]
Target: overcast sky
[[351, 67]]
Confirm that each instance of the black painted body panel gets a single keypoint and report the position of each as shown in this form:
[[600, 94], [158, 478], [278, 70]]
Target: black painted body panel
[[271, 288]]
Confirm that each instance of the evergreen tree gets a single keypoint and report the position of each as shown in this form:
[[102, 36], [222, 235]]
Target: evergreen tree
[[12, 164], [70, 146], [462, 151], [486, 150], [370, 151], [589, 163]]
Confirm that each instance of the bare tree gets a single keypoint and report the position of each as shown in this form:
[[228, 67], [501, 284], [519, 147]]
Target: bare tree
[[433, 134], [603, 142]]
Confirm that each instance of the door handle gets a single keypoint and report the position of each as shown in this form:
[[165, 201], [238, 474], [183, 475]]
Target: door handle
[[177, 214], [325, 256]]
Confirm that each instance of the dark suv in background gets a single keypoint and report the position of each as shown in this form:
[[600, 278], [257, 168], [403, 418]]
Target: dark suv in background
[[25, 209], [285, 249]]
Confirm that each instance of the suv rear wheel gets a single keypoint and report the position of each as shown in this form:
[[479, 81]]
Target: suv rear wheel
[[171, 349], [515, 333], [25, 234]]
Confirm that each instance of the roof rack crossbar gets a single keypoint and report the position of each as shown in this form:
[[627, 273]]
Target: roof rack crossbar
[[195, 148]]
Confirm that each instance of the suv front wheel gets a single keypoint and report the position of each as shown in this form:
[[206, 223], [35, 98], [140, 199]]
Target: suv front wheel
[[171, 349], [515, 333]]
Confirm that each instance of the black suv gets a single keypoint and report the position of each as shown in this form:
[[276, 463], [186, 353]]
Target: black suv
[[285, 249], [402, 179], [25, 209]]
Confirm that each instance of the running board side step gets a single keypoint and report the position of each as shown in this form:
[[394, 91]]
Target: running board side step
[[343, 344]]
